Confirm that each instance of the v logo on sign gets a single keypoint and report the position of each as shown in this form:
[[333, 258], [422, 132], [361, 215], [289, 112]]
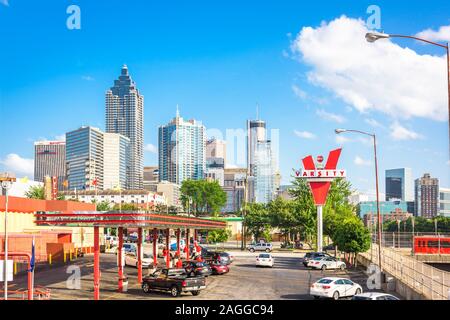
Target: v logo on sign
[[320, 189]]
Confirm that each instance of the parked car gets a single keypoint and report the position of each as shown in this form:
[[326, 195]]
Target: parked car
[[267, 247], [197, 268], [265, 260], [374, 296], [329, 247], [218, 268], [131, 259], [312, 255], [325, 263], [335, 288], [221, 256], [128, 247], [174, 281]]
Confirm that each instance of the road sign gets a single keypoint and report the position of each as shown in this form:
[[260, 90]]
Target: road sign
[[9, 270]]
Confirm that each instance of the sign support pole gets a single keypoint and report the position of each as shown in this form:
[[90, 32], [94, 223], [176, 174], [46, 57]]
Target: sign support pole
[[319, 228]]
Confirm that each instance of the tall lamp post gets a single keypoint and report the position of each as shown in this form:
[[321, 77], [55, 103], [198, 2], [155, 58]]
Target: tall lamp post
[[6, 181], [379, 224], [374, 36]]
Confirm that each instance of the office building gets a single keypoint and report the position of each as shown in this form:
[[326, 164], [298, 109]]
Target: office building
[[181, 150], [399, 184], [97, 161], [427, 196], [215, 170], [116, 161], [171, 192], [151, 176], [444, 202], [371, 219], [125, 115], [216, 149], [386, 207], [234, 187], [50, 160]]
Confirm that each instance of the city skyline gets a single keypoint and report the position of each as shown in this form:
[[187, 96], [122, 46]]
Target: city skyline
[[292, 93]]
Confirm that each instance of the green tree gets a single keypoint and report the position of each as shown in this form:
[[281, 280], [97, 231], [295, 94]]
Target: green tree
[[282, 216], [202, 197], [352, 236], [257, 219], [219, 235], [103, 206], [35, 192], [126, 207]]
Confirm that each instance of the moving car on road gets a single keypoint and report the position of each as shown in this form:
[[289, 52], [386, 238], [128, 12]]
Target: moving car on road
[[325, 263], [174, 281], [222, 257], [131, 259], [335, 288], [312, 255], [374, 296], [267, 247], [264, 260], [195, 268]]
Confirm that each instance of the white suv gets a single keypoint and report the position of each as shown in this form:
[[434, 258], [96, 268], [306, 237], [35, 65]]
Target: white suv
[[267, 247]]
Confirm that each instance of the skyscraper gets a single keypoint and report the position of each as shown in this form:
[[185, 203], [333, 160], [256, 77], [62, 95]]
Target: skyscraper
[[182, 147], [125, 115], [216, 149], [50, 160], [399, 184], [261, 164], [97, 160], [427, 196]]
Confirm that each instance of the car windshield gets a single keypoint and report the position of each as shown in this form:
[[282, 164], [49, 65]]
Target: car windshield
[[318, 258], [325, 281], [264, 255], [199, 264], [361, 298], [147, 256]]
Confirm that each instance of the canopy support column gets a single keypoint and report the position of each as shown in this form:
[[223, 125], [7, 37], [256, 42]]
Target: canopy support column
[[139, 255], [120, 261], [96, 264]]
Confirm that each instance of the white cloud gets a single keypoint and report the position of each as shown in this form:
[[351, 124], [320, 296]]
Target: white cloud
[[378, 76], [330, 116], [305, 134], [298, 92], [151, 148], [361, 162], [341, 139], [61, 137], [398, 132], [4, 2], [15, 163], [87, 78], [443, 34], [373, 123]]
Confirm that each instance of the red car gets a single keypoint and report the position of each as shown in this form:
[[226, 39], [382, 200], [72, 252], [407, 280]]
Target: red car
[[218, 268]]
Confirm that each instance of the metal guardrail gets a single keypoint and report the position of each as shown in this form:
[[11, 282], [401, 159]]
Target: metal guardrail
[[432, 283], [39, 293]]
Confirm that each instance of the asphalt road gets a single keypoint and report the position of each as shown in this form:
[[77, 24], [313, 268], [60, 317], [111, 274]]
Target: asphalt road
[[288, 279]]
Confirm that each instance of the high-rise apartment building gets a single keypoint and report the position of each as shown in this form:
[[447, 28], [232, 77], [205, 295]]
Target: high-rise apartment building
[[50, 160], [427, 196], [181, 150], [399, 184], [97, 160], [125, 115]]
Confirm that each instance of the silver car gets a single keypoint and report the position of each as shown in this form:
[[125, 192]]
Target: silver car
[[267, 247]]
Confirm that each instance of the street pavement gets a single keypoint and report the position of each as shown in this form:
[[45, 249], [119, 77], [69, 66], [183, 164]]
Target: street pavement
[[288, 279]]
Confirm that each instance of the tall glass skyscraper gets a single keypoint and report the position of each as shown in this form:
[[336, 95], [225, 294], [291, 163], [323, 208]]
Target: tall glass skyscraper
[[399, 184], [261, 164], [182, 150], [125, 115]]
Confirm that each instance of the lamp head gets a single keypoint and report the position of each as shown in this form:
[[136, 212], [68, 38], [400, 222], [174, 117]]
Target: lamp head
[[374, 36], [338, 131]]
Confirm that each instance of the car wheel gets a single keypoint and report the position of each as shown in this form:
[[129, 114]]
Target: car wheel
[[358, 291], [146, 287], [252, 250], [174, 292], [336, 295], [192, 274], [316, 297], [267, 250], [342, 267], [195, 293], [324, 267]]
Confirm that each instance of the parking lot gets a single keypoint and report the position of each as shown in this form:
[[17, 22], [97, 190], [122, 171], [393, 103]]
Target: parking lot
[[288, 279]]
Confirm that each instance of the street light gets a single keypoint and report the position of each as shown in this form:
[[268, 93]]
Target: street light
[[339, 131], [374, 36], [6, 183]]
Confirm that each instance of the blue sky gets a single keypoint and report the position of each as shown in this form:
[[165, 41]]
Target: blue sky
[[217, 60]]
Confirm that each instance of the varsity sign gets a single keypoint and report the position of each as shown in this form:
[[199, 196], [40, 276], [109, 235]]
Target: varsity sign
[[319, 176]]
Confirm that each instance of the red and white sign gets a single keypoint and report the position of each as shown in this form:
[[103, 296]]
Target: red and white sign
[[320, 179]]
